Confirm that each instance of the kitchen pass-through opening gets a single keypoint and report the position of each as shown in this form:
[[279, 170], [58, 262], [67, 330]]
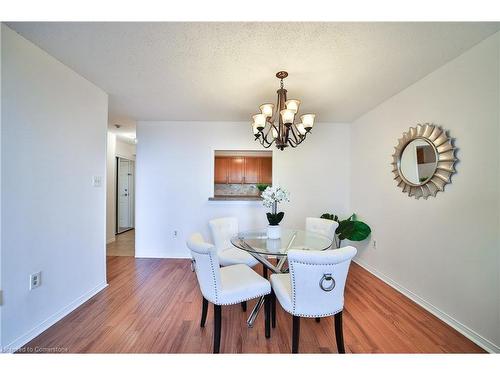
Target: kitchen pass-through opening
[[242, 174]]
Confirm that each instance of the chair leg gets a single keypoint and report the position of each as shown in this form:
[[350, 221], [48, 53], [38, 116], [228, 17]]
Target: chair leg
[[317, 320], [244, 305], [267, 313], [204, 309], [264, 272], [273, 309], [295, 334], [339, 335], [217, 327]]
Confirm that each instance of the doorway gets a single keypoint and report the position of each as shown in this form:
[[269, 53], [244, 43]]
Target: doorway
[[125, 195]]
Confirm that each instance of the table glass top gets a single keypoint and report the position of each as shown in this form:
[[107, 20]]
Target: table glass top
[[257, 241]]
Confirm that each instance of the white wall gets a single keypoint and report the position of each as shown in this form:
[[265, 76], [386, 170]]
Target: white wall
[[444, 251], [115, 147], [1, 131], [174, 174], [125, 150], [498, 229], [110, 187], [53, 220]]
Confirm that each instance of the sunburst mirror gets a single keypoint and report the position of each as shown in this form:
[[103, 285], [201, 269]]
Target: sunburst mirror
[[424, 161]]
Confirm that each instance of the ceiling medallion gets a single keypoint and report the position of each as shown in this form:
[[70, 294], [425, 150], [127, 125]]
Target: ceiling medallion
[[279, 126]]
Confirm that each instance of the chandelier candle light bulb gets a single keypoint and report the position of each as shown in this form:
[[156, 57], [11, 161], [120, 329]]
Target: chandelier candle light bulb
[[287, 116], [280, 129], [259, 121], [308, 121], [267, 109], [293, 104], [301, 129]]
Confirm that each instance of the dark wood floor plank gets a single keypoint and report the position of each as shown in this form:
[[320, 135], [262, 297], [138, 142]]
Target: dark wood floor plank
[[154, 306]]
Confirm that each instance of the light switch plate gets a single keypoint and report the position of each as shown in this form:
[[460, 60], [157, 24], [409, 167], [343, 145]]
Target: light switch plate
[[96, 181], [35, 280]]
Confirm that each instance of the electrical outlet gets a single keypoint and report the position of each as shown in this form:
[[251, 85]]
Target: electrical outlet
[[35, 280], [374, 244], [176, 234]]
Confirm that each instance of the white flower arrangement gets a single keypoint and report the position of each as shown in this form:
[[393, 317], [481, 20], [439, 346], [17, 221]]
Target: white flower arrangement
[[274, 195]]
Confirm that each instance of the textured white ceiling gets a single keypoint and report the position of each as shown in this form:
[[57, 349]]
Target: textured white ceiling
[[224, 71]]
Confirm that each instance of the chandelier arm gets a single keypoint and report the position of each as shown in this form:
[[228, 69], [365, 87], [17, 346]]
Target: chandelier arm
[[293, 127], [302, 137], [264, 137], [266, 144], [292, 142], [263, 142]]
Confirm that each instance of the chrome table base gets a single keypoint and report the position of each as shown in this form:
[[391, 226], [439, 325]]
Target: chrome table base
[[276, 269]]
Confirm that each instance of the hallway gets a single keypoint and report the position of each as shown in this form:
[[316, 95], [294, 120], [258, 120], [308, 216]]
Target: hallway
[[124, 245]]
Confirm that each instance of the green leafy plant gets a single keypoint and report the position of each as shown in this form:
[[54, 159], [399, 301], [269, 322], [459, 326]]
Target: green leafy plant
[[275, 218], [350, 228], [262, 187]]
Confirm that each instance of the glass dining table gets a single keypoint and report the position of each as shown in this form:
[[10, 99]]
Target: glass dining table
[[262, 248]]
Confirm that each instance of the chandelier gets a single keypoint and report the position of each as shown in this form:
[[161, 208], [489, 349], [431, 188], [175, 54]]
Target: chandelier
[[279, 126]]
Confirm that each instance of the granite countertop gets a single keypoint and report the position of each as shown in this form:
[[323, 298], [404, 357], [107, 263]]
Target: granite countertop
[[235, 198]]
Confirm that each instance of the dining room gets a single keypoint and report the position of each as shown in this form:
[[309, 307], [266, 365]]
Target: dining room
[[340, 200]]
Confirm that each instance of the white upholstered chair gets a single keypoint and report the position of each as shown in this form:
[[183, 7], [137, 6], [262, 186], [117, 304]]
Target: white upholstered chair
[[321, 226], [222, 230], [314, 288], [225, 286]]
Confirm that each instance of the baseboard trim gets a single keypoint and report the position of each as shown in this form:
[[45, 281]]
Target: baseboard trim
[[452, 322], [51, 320], [163, 256]]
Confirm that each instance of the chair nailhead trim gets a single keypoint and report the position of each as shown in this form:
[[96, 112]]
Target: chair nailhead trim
[[314, 316], [292, 273], [213, 275]]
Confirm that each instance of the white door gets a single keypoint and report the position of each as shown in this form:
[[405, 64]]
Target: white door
[[125, 194]]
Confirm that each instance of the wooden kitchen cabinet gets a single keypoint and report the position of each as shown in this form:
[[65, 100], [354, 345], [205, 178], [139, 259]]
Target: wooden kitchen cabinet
[[252, 170], [236, 170], [266, 171], [221, 170], [243, 170]]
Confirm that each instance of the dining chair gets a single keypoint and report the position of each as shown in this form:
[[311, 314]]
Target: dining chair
[[321, 226], [314, 288], [222, 230], [225, 286], [324, 227]]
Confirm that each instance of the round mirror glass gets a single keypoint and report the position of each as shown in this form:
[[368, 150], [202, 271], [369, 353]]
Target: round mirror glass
[[418, 161]]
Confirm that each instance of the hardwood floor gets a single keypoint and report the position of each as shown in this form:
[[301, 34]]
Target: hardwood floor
[[154, 306], [124, 245]]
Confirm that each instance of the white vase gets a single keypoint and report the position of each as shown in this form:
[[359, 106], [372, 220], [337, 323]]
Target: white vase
[[273, 245], [273, 232]]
